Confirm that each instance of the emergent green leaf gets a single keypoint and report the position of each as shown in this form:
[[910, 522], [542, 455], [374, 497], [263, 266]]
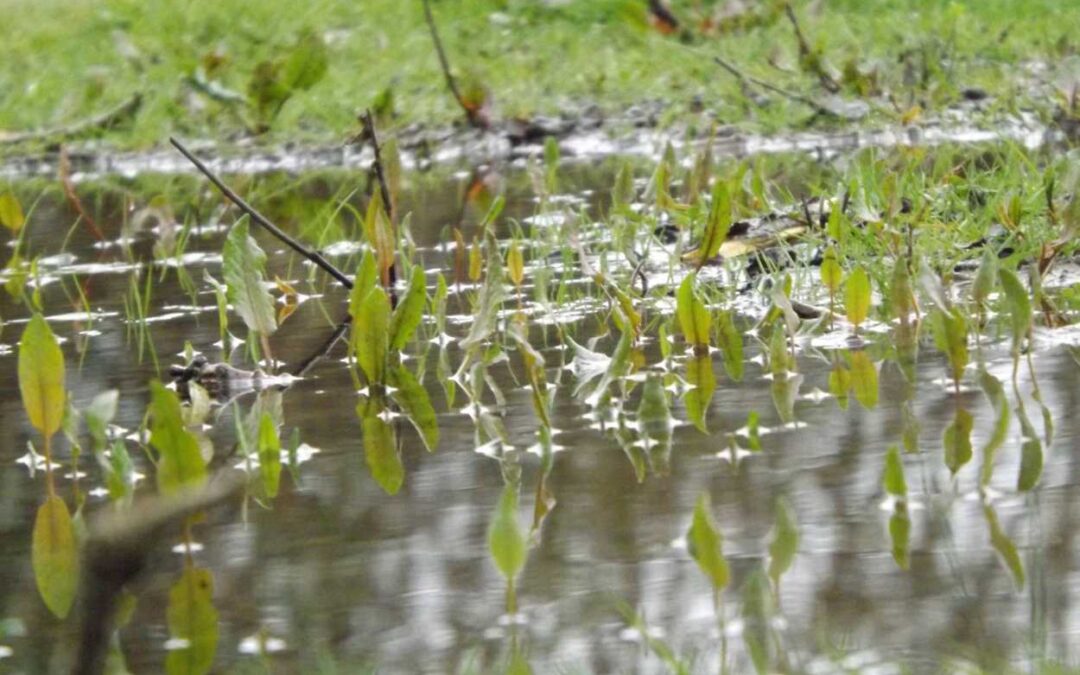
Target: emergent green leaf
[[694, 318], [416, 404], [785, 542], [180, 463], [893, 478], [243, 265], [269, 455], [370, 333]]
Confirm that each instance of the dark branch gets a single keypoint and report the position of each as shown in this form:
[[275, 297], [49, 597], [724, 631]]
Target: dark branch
[[470, 113], [311, 255]]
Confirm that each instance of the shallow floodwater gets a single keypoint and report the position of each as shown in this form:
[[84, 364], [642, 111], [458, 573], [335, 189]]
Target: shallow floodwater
[[336, 573]]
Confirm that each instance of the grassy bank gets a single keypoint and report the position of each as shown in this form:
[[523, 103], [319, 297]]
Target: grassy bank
[[193, 62]]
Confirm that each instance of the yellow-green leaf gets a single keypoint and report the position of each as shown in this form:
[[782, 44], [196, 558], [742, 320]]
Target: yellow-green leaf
[[857, 296], [864, 379], [840, 384], [11, 213], [269, 455], [730, 345], [41, 376], [705, 544], [831, 274], [506, 540], [54, 555], [694, 318], [1018, 304], [893, 479], [515, 264], [1004, 547], [900, 534], [702, 381], [193, 623]]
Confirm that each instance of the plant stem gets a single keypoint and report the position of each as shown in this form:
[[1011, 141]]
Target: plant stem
[[470, 114]]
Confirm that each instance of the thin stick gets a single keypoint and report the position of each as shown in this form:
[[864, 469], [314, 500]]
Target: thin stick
[[105, 120], [73, 197], [798, 98], [470, 114], [806, 52], [259, 218]]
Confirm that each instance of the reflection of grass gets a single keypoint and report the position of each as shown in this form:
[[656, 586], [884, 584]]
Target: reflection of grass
[[65, 60]]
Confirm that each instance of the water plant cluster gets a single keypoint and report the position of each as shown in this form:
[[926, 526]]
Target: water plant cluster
[[633, 308]]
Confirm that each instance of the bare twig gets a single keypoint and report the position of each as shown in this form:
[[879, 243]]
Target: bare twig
[[663, 16], [105, 120], [259, 218], [475, 119], [745, 79], [73, 197], [369, 132], [806, 53], [324, 349]]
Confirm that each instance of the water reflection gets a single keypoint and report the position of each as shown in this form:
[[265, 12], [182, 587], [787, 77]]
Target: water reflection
[[380, 553]]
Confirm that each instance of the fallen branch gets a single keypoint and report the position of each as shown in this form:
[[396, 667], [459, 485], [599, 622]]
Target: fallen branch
[[105, 120], [745, 79], [259, 218], [474, 117]]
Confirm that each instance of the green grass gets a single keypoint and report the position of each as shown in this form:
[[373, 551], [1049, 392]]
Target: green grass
[[65, 60]]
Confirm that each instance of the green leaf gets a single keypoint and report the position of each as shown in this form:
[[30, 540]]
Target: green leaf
[[893, 478], [702, 381], [864, 379], [831, 274], [99, 414], [409, 312], [506, 540], [994, 391], [857, 296], [731, 345], [193, 623], [1031, 464], [694, 318], [951, 336], [11, 213], [753, 431], [269, 455], [515, 264], [718, 225], [180, 463], [654, 415], [370, 333], [900, 534], [266, 90], [1018, 304], [705, 544], [243, 265], [1005, 548], [307, 63], [380, 446], [840, 384], [785, 542], [55, 557], [901, 294], [416, 404], [985, 276], [958, 441], [41, 376]]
